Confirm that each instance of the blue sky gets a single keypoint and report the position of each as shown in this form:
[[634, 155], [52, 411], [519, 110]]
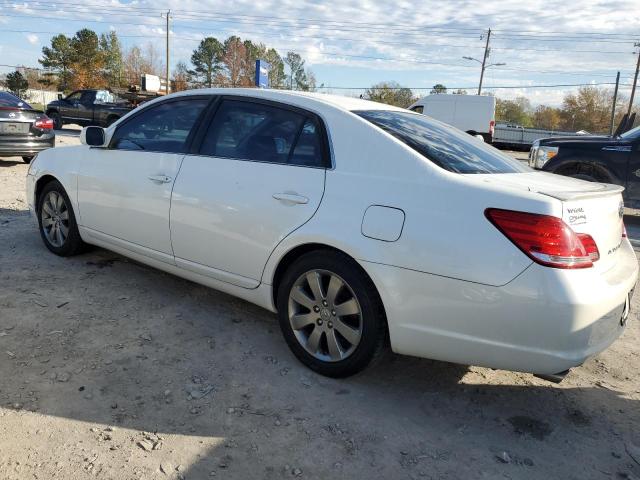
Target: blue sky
[[356, 43]]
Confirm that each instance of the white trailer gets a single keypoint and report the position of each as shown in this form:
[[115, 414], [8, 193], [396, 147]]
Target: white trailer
[[474, 114]]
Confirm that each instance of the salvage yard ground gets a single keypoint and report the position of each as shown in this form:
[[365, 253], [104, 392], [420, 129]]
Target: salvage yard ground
[[114, 370]]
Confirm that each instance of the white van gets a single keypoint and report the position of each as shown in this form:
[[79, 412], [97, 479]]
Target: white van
[[474, 114]]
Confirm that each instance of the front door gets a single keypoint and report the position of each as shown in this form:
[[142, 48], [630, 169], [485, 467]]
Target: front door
[[258, 175], [69, 106], [124, 191]]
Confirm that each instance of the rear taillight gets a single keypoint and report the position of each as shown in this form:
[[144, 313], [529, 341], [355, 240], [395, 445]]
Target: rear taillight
[[545, 239], [624, 231], [492, 127], [44, 124], [590, 246]]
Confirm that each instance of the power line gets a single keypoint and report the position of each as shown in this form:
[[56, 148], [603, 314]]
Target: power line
[[413, 61], [495, 87], [416, 61], [268, 35], [277, 21], [300, 20]]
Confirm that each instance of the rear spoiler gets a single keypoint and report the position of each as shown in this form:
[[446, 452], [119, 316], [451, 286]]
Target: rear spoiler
[[606, 190]]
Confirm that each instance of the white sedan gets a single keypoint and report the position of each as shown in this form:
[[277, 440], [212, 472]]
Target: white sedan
[[360, 224]]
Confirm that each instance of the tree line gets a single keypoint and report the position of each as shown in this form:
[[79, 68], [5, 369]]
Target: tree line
[[587, 109], [89, 60]]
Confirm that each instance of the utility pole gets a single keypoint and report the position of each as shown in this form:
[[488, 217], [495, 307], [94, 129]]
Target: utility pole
[[615, 100], [484, 60], [168, 16], [635, 79], [487, 51]]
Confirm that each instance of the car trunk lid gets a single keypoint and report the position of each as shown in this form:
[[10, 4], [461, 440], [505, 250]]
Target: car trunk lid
[[16, 122], [587, 207]]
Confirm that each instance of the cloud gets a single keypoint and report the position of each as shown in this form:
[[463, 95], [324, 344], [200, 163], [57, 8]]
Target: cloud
[[358, 42], [32, 38]]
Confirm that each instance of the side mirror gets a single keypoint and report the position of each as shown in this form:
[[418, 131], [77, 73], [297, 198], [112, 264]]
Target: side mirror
[[59, 96], [93, 136]]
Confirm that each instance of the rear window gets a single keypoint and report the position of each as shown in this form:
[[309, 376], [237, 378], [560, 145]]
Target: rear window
[[9, 100], [444, 145]]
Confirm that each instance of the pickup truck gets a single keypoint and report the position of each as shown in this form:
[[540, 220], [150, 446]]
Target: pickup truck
[[606, 159], [87, 107]]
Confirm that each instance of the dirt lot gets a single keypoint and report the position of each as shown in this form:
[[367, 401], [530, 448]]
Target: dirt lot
[[113, 370]]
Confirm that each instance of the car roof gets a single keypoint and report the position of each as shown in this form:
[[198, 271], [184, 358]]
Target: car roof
[[299, 98]]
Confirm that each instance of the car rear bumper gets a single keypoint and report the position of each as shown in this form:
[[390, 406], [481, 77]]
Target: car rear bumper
[[17, 147], [544, 321]]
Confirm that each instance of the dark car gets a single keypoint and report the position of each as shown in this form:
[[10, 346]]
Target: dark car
[[87, 107], [607, 159], [24, 131]]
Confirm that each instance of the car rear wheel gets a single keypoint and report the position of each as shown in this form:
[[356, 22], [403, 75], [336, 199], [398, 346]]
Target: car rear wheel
[[57, 222], [27, 159], [331, 314]]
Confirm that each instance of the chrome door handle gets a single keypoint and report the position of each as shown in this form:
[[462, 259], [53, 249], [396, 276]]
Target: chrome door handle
[[291, 198], [160, 178]]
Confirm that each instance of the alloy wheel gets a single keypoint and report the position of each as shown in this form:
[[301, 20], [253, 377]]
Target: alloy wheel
[[55, 219], [325, 315]]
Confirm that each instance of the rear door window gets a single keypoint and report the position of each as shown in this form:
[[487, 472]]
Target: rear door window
[[246, 130], [446, 146]]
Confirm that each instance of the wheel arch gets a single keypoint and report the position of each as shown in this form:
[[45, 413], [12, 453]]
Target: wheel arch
[[298, 251], [40, 184], [568, 165]]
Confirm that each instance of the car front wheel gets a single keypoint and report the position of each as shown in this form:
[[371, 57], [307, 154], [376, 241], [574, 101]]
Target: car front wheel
[[57, 222], [331, 314]]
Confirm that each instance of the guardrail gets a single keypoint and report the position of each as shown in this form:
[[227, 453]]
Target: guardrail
[[517, 136]]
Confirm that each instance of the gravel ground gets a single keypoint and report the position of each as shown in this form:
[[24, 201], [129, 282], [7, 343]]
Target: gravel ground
[[113, 370]]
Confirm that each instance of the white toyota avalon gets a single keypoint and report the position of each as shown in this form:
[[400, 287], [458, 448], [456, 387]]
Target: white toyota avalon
[[360, 224]]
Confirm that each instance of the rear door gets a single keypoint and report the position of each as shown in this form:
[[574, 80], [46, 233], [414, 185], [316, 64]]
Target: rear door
[[257, 176], [84, 110], [124, 191]]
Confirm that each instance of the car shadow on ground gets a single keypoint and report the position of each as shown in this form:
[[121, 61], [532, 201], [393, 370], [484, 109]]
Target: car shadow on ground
[[107, 341], [10, 161], [68, 132]]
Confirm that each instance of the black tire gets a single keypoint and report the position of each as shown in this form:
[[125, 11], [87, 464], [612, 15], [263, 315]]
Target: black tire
[[373, 322], [73, 244], [57, 120], [27, 159]]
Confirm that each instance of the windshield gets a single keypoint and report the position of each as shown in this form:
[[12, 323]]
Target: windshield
[[444, 145], [11, 101], [633, 133]]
